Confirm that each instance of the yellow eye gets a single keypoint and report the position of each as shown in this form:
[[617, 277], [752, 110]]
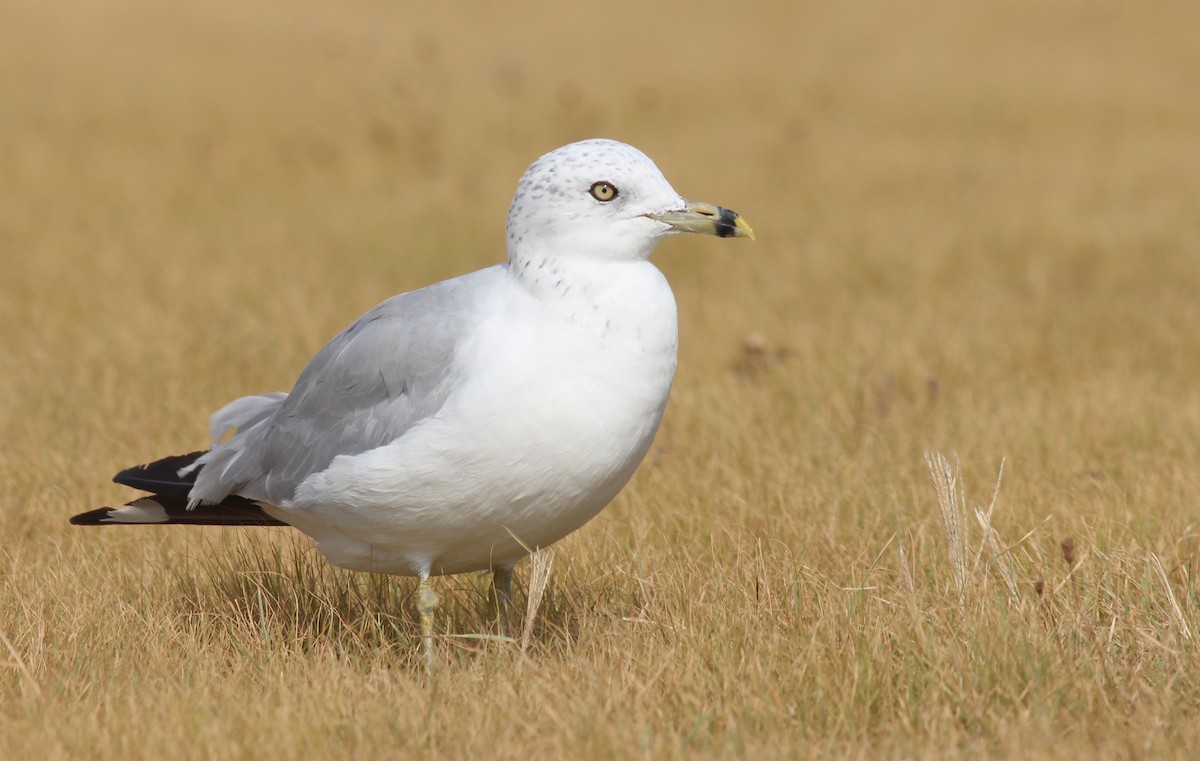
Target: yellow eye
[[604, 191]]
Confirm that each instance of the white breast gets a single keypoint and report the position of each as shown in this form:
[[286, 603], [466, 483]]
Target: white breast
[[567, 382]]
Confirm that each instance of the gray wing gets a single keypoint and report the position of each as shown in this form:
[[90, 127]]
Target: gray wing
[[388, 370]]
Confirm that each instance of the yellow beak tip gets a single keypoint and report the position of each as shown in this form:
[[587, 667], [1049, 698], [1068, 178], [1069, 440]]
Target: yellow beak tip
[[745, 227]]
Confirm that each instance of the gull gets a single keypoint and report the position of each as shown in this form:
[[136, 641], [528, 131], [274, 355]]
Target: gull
[[452, 428]]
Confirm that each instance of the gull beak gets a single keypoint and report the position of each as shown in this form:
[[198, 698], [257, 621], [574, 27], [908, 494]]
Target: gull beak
[[697, 217]]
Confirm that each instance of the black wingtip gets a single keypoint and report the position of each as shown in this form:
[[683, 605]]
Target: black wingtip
[[161, 476], [163, 509], [91, 517], [168, 502]]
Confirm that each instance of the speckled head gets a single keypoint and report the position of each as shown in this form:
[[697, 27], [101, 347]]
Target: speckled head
[[604, 200]]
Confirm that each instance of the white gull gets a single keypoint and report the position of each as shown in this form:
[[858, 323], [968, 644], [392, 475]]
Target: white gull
[[451, 428]]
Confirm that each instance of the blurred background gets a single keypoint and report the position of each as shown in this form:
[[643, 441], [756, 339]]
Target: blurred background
[[994, 205]]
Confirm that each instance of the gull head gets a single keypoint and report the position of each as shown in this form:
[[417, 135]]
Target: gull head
[[607, 201]]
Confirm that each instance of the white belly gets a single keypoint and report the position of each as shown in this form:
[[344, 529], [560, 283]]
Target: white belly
[[520, 455]]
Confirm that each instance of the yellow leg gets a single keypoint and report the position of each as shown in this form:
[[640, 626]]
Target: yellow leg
[[502, 593], [427, 602]]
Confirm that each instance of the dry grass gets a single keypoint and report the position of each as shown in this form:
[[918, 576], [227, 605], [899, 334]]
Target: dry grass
[[978, 234]]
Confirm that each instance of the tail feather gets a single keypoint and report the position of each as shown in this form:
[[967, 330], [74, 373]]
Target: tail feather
[[168, 502]]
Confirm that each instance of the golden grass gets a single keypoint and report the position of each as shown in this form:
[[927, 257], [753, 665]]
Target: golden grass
[[978, 235]]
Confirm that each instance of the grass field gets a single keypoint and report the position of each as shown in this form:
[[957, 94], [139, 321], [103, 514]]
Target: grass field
[[978, 235]]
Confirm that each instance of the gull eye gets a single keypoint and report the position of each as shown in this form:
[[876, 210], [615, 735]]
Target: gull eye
[[603, 191]]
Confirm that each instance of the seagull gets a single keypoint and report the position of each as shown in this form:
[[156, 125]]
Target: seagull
[[453, 428]]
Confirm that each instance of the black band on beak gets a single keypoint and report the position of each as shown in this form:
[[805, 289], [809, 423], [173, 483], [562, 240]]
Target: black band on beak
[[726, 223]]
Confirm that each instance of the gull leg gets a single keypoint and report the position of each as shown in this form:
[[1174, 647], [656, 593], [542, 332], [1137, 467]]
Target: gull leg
[[502, 594], [427, 602]]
